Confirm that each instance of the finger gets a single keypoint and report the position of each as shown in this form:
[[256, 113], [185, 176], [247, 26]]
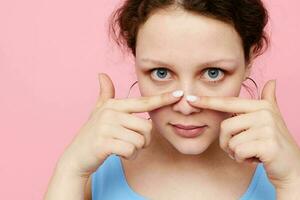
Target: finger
[[235, 125], [229, 104], [145, 103], [243, 137], [135, 138], [249, 150], [120, 147], [107, 90], [269, 91], [137, 124]]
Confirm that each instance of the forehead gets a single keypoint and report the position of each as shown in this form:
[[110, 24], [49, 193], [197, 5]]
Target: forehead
[[185, 36]]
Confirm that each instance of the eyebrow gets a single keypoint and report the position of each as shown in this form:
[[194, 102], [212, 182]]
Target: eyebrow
[[158, 62]]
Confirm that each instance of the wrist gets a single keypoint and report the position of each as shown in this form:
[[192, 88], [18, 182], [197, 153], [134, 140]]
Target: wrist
[[66, 183], [69, 168]]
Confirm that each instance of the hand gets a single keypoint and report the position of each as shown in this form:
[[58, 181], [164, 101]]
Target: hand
[[112, 129], [258, 133]]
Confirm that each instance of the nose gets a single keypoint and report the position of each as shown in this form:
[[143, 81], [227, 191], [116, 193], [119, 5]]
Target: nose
[[184, 107]]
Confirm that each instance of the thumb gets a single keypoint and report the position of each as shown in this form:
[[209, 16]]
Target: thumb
[[107, 90], [269, 91]]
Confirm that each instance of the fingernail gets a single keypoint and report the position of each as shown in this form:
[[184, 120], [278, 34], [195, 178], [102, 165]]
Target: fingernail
[[191, 98], [177, 93]]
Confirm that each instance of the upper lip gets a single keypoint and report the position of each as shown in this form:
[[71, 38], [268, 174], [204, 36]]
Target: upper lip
[[187, 126]]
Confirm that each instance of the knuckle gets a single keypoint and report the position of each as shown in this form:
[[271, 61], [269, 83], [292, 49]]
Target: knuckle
[[143, 128], [267, 130], [239, 150], [265, 114], [109, 103], [223, 125], [106, 113], [231, 145], [268, 118], [221, 144], [148, 126], [100, 144], [130, 150], [140, 141], [102, 131]]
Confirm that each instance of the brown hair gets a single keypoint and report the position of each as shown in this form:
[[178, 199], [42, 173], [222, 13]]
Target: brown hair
[[248, 17]]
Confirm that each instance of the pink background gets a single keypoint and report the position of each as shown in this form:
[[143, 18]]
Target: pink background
[[50, 54]]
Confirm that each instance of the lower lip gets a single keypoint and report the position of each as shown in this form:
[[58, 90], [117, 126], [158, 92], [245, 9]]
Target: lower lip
[[189, 133]]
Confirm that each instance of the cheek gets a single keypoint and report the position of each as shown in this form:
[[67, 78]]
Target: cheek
[[233, 90], [228, 89], [146, 89], [217, 117], [158, 114]]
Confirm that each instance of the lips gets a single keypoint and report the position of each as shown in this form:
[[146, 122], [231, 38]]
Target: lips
[[188, 131], [187, 127]]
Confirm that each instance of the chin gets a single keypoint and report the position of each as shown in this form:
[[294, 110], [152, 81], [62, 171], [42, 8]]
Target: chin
[[191, 149], [190, 146]]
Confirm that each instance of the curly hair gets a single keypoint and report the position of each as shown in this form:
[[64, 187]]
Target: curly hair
[[248, 17]]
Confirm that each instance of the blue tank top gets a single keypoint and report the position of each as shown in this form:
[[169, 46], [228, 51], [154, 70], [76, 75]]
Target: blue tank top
[[109, 183]]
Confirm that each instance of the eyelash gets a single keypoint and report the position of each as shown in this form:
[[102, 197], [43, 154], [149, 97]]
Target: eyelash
[[223, 71]]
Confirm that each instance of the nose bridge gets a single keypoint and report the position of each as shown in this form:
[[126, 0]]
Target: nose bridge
[[183, 105], [187, 86]]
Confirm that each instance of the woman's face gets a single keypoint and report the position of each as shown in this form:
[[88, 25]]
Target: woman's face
[[179, 50]]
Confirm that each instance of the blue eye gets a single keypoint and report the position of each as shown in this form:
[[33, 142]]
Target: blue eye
[[213, 74], [161, 73]]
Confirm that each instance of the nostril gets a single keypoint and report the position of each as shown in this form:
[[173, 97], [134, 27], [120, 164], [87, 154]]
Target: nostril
[[184, 107]]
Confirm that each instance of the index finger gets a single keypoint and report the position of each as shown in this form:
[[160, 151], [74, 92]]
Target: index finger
[[229, 104], [146, 103]]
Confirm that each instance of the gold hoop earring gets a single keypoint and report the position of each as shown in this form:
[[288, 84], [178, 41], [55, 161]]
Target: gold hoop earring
[[248, 90], [130, 90]]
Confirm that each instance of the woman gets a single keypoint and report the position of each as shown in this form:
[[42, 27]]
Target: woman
[[202, 141]]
